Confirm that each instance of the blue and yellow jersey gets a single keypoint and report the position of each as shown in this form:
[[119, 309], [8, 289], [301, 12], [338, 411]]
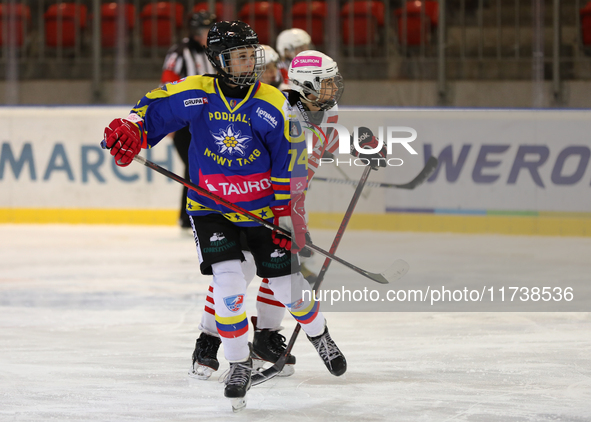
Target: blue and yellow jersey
[[240, 148]]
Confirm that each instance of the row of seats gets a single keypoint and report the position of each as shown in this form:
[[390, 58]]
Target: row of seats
[[585, 14], [64, 21]]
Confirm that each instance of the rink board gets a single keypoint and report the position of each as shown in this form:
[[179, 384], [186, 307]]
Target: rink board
[[501, 171]]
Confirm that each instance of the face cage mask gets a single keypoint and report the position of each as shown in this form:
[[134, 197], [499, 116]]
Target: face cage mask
[[323, 92], [237, 70]]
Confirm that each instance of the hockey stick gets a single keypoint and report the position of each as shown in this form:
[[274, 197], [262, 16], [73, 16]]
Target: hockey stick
[[278, 366], [427, 171], [347, 180], [340, 170], [394, 272]]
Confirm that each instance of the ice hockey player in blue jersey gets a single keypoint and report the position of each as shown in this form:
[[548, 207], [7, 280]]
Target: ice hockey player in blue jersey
[[317, 87], [239, 151]]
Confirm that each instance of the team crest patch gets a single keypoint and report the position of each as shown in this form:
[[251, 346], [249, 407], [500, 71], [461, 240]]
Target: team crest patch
[[233, 103], [234, 303], [295, 129], [297, 305], [231, 140]]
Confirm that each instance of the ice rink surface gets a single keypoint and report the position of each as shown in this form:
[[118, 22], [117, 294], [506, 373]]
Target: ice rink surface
[[98, 323]]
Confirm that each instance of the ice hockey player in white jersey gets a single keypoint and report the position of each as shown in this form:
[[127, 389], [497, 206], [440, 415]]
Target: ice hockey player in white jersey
[[316, 87]]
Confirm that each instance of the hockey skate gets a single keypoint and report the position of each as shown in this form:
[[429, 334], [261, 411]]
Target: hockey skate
[[205, 360], [267, 347], [329, 352], [237, 381]]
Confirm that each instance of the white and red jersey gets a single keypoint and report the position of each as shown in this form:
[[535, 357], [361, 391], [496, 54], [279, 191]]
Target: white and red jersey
[[323, 138]]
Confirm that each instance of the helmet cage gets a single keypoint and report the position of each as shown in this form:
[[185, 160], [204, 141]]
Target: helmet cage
[[233, 68], [327, 94]]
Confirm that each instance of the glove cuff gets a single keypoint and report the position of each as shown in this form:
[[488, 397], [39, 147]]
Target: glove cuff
[[282, 210]]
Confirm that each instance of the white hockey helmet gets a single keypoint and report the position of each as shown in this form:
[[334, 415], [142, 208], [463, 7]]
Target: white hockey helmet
[[291, 39], [313, 72], [271, 75], [271, 55]]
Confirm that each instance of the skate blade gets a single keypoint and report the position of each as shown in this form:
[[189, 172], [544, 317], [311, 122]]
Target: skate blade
[[259, 365], [238, 404], [201, 372]]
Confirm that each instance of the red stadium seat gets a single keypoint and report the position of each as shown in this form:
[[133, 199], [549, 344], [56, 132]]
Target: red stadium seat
[[109, 19], [317, 12], [259, 18], [67, 32], [417, 33], [21, 17], [219, 9], [368, 16], [585, 15], [156, 29]]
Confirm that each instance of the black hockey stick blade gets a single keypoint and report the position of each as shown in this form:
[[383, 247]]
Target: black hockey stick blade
[[425, 173], [266, 374], [380, 278]]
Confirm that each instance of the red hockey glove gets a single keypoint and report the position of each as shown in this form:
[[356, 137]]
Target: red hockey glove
[[367, 141], [291, 217], [122, 137]]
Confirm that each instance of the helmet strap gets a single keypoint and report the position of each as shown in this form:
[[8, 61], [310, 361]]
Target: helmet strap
[[305, 100]]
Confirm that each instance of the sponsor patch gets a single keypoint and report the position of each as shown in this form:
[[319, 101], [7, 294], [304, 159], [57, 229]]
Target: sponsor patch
[[306, 61], [195, 101], [217, 238], [267, 117]]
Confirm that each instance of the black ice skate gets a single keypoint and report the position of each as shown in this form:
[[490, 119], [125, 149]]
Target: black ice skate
[[330, 353], [237, 382], [267, 347], [205, 361]]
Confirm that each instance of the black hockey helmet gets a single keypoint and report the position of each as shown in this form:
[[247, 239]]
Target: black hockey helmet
[[224, 38], [200, 20]]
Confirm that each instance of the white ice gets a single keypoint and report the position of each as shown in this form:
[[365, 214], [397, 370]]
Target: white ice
[[98, 323]]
